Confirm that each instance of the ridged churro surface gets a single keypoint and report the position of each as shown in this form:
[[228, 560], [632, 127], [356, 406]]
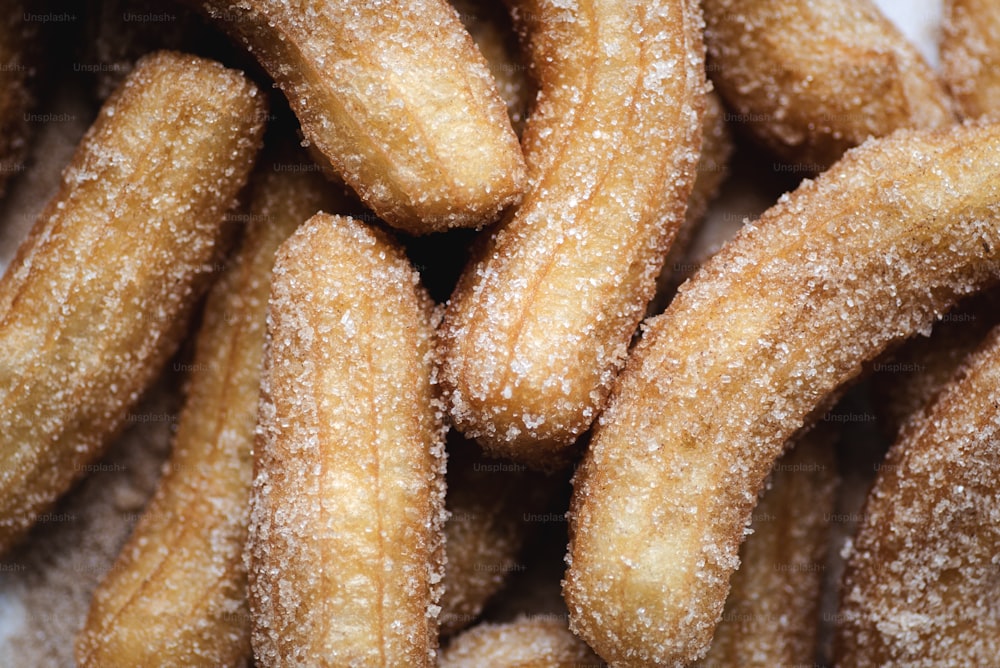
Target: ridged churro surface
[[98, 296], [541, 319], [869, 253], [346, 550]]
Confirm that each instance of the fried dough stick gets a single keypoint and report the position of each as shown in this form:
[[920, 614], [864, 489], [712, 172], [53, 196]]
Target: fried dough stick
[[921, 581], [99, 295], [397, 98], [755, 342], [347, 508], [540, 322], [813, 78]]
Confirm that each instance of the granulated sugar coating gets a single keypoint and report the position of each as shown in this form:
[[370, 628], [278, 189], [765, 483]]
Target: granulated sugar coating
[[397, 98], [177, 594], [970, 55], [98, 296], [921, 583], [869, 253], [812, 78], [540, 322], [345, 552], [526, 642]]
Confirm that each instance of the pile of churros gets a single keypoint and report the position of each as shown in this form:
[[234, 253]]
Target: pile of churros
[[365, 473]]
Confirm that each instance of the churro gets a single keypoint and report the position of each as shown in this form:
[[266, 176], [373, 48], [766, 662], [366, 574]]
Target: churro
[[921, 579], [747, 353], [970, 55], [345, 550], [540, 321], [527, 642], [811, 78], [397, 99], [771, 614], [177, 594], [99, 295]]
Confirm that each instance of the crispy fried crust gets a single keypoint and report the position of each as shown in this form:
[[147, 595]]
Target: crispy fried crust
[[488, 501], [970, 55], [539, 324], [396, 97], [921, 581], [176, 596], [786, 313], [345, 550], [812, 78], [523, 643], [98, 296], [771, 614], [15, 96]]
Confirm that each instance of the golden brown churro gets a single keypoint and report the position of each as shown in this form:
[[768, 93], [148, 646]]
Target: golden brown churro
[[812, 78], [346, 550], [540, 322], [790, 310], [177, 594], [396, 97], [921, 581], [770, 618], [970, 55], [99, 295], [527, 642]]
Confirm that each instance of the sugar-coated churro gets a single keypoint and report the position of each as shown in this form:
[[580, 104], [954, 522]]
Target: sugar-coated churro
[[812, 78], [177, 594], [970, 55], [345, 549], [527, 642], [540, 322], [397, 98], [98, 296], [867, 254], [921, 581]]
